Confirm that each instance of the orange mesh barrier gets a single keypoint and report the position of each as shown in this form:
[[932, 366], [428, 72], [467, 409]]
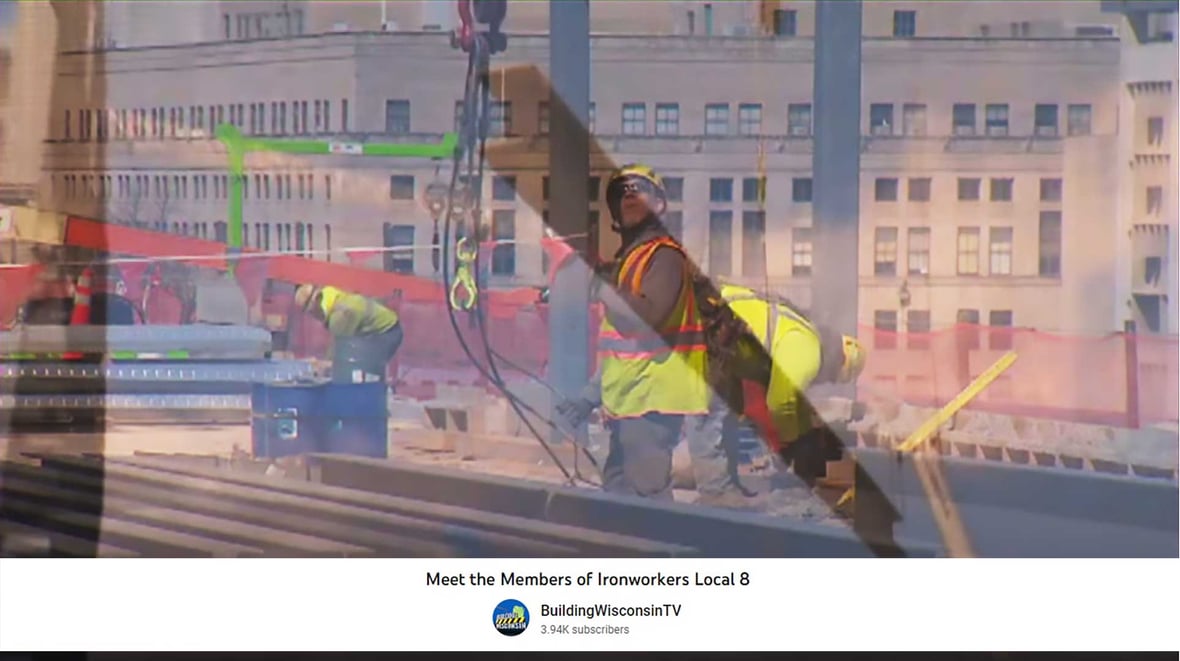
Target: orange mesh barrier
[[1113, 379], [1076, 378]]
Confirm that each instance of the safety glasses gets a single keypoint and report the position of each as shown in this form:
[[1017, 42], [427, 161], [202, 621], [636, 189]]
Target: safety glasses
[[620, 187]]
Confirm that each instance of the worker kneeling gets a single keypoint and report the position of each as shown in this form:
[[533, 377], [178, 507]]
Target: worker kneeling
[[365, 334], [650, 343], [765, 341]]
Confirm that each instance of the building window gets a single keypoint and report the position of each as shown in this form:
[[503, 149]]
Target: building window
[[785, 22], [885, 189], [881, 119], [717, 119], [885, 251], [997, 119], [1155, 200], [1045, 120], [905, 23], [1001, 190], [1049, 245], [1050, 190], [970, 335], [918, 251], [720, 243], [754, 243], [400, 241], [594, 189], [634, 118], [674, 188], [968, 251], [1000, 251], [401, 187], [917, 328], [592, 113], [343, 114], [667, 119], [504, 188], [801, 251], [963, 119], [919, 189], [500, 118], [504, 233], [1155, 130], [754, 189], [1078, 119], [968, 189], [543, 118], [801, 189], [1001, 339], [721, 190], [913, 119], [885, 325], [799, 119], [750, 119], [397, 116]]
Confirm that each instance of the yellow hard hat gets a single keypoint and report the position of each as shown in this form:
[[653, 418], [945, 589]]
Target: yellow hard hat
[[854, 359], [304, 295], [637, 170]]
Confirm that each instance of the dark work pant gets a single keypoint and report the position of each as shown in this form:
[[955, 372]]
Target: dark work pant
[[639, 461], [369, 353]]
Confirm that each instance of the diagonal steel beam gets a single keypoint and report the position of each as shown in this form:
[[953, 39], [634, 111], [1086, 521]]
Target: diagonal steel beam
[[526, 83]]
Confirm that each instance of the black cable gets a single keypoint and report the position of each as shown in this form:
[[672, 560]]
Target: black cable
[[481, 317], [473, 76]]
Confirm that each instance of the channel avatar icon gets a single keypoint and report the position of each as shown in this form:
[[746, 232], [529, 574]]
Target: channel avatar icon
[[510, 617]]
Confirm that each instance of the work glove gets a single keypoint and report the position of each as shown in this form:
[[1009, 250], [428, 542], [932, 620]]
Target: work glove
[[576, 411]]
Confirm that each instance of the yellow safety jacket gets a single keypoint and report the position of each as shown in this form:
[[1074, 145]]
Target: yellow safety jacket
[[353, 315], [793, 344], [660, 370]]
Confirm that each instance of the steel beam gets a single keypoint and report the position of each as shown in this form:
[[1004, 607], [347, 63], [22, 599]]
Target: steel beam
[[716, 533], [836, 165], [569, 199], [346, 514], [1025, 511]]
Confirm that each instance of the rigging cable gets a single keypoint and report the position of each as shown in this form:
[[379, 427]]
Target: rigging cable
[[477, 74]]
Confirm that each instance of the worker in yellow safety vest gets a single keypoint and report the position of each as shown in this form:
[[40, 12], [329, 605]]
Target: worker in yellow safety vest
[[651, 342], [365, 334], [757, 338]]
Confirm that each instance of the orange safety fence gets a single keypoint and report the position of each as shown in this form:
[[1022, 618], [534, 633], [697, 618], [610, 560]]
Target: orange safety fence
[[1114, 379], [1065, 377]]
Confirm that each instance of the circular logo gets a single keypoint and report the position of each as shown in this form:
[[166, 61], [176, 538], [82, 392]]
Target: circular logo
[[510, 617]]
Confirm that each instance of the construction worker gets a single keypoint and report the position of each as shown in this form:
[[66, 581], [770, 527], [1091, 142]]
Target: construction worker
[[365, 334], [651, 345], [759, 339]]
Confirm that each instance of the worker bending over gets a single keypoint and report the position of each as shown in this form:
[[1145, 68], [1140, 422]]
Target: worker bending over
[[365, 333], [756, 338], [650, 342]]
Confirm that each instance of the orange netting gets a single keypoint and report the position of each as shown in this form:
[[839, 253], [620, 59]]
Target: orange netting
[[1113, 379]]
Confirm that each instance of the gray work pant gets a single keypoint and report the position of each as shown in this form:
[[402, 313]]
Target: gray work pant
[[639, 461], [713, 441], [370, 354]]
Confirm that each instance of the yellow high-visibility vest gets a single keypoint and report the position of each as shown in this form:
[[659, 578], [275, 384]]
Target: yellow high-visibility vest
[[658, 370]]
